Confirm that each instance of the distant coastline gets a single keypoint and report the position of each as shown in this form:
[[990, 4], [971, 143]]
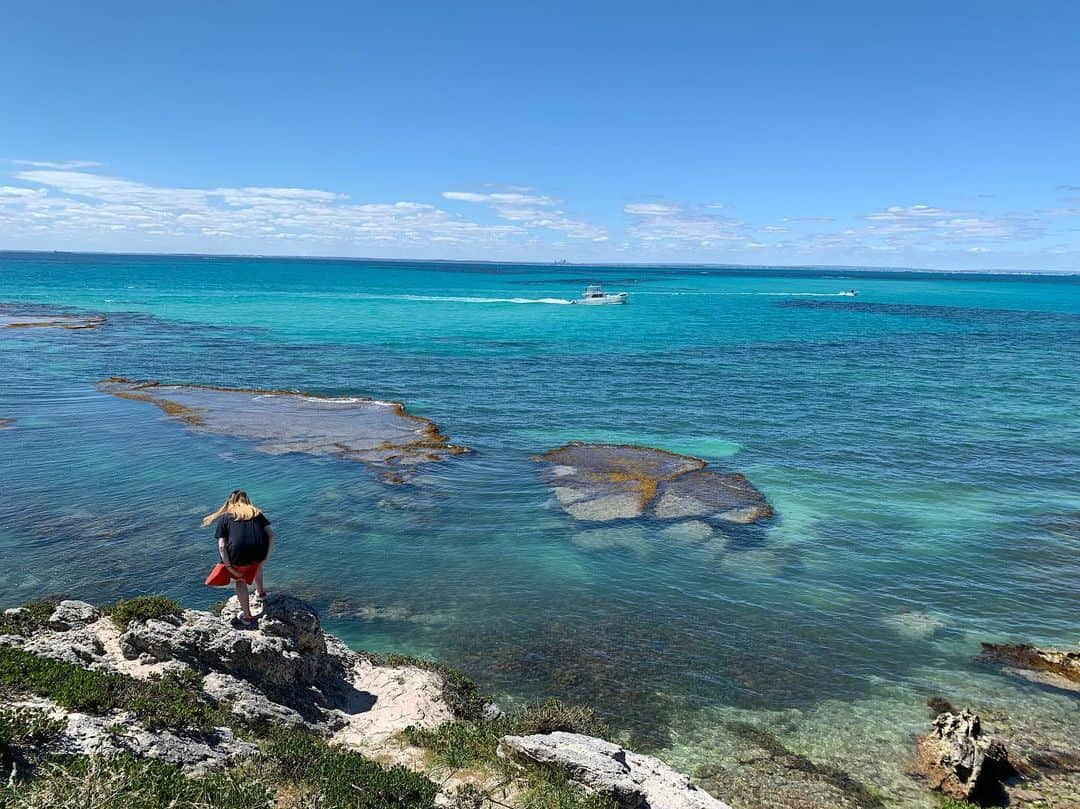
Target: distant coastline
[[770, 269]]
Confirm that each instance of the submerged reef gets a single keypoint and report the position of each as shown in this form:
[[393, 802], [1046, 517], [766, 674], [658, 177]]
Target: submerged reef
[[376, 433], [604, 482], [14, 316]]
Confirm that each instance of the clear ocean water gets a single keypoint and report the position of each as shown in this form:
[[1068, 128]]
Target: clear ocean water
[[919, 442]]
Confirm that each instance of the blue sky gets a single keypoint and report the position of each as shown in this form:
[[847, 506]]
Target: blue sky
[[909, 134]]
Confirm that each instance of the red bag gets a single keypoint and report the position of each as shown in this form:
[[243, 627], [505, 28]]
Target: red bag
[[219, 576]]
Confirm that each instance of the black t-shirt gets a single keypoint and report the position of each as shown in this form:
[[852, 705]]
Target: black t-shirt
[[245, 540]]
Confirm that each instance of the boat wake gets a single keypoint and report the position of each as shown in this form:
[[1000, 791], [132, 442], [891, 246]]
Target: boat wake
[[455, 299]]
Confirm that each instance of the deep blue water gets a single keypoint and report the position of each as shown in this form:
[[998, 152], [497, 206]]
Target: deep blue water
[[919, 443]]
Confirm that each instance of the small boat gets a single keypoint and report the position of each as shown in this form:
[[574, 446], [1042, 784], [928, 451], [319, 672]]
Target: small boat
[[849, 293], [595, 295]]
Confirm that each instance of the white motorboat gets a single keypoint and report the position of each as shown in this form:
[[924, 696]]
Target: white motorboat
[[595, 295], [849, 293]]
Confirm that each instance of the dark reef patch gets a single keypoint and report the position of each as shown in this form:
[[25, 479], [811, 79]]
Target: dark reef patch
[[958, 313]]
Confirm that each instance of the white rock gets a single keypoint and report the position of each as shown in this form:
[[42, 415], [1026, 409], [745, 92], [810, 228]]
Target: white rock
[[633, 780]]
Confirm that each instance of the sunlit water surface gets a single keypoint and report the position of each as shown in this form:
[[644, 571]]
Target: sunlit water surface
[[919, 443]]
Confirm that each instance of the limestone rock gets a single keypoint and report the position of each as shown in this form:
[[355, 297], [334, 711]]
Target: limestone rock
[[247, 703], [80, 646], [70, 614], [957, 759], [104, 735], [287, 656], [633, 780]]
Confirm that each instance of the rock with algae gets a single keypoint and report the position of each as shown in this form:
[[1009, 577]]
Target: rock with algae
[[604, 482], [957, 759], [1058, 668], [376, 433]]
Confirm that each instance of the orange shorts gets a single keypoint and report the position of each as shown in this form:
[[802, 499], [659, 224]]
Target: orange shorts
[[221, 575]]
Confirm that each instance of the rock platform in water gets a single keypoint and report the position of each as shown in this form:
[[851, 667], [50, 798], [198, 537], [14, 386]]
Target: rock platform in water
[[604, 482], [376, 433], [25, 317]]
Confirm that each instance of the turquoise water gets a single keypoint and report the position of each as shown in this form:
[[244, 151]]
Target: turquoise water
[[919, 443]]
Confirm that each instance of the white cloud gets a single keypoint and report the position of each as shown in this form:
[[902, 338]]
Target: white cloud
[[63, 164], [650, 209], [69, 203], [675, 225], [531, 211]]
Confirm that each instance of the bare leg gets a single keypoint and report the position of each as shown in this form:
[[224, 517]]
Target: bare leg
[[260, 590], [242, 597]]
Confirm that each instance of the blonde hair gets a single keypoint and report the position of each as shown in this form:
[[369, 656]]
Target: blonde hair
[[236, 505]]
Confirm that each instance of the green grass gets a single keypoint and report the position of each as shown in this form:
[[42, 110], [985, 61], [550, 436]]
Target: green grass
[[28, 621], [464, 743], [142, 608], [548, 791], [172, 701], [953, 803], [345, 778], [127, 782], [296, 769]]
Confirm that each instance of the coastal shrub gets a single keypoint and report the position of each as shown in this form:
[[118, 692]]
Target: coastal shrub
[[461, 693], [460, 744], [553, 715], [171, 701], [127, 782], [142, 608], [343, 778], [552, 791], [28, 619], [24, 734], [953, 803], [218, 607]]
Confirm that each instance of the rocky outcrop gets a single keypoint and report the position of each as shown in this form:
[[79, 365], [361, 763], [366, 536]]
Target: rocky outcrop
[[605, 482], [287, 672], [958, 760], [1054, 667], [633, 780], [379, 434]]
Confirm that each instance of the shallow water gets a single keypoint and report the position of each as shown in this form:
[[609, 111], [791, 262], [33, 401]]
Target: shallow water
[[919, 444]]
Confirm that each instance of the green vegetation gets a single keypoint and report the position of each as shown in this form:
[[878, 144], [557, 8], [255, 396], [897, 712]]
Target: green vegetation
[[28, 619], [172, 701], [344, 778], [297, 770], [953, 803], [142, 608], [554, 792], [463, 743]]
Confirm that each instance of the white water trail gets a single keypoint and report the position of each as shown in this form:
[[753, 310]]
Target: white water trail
[[462, 299]]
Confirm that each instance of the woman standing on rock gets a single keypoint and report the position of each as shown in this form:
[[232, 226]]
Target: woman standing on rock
[[244, 540]]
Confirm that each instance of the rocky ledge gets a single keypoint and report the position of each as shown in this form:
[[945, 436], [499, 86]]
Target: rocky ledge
[[604, 482], [189, 689], [380, 434]]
